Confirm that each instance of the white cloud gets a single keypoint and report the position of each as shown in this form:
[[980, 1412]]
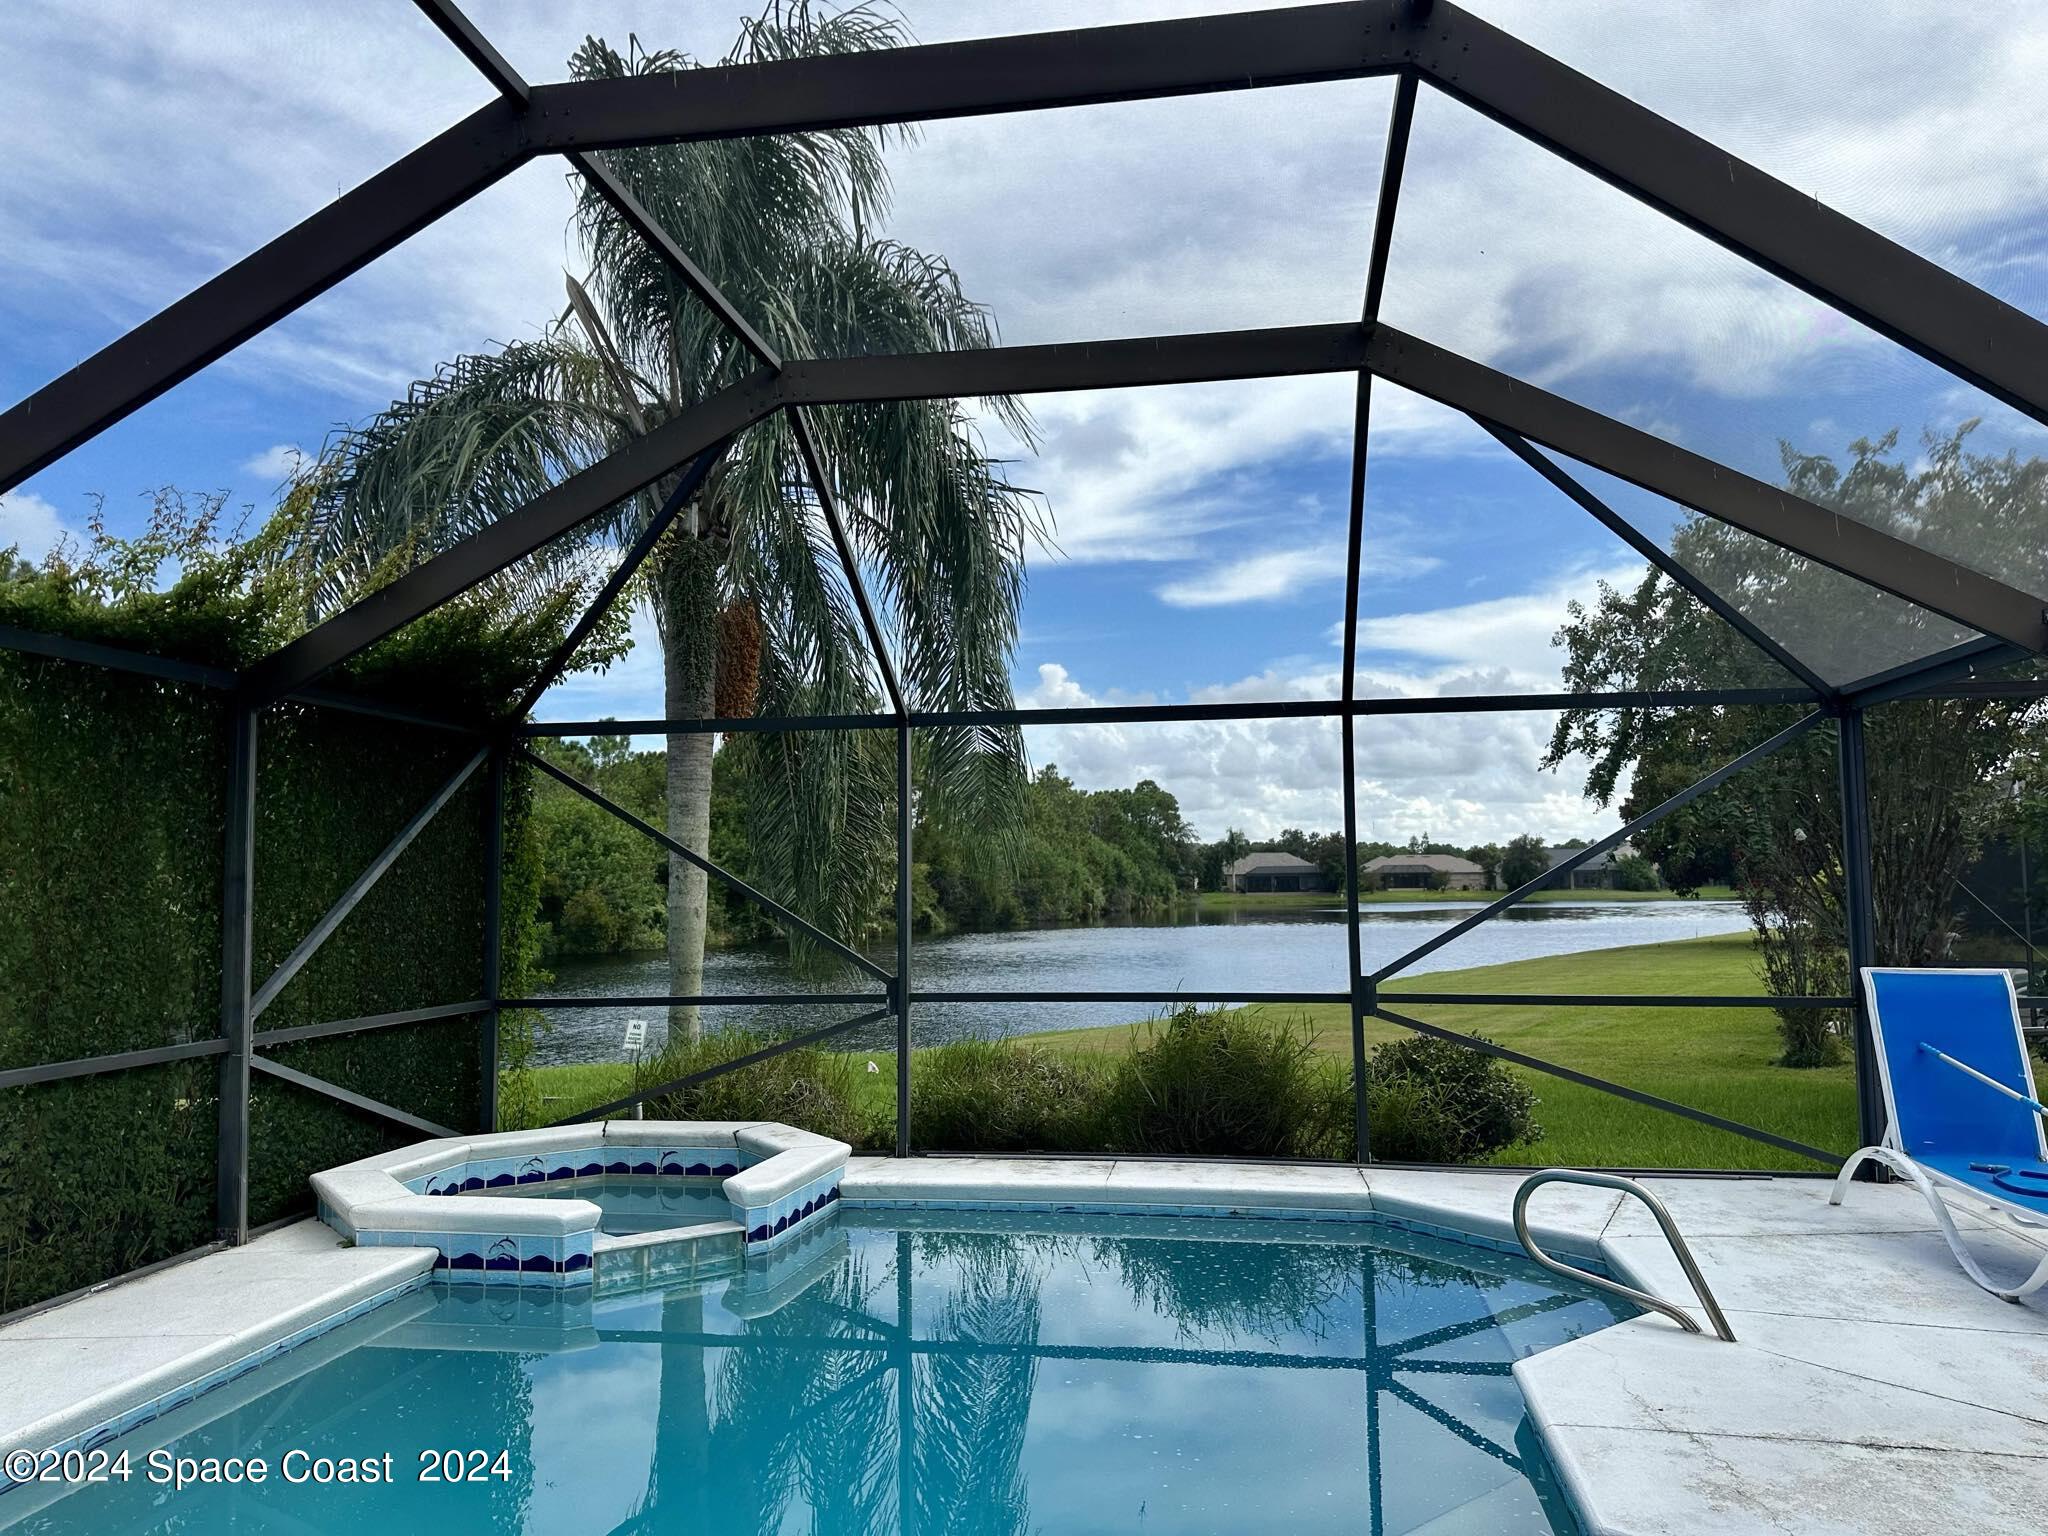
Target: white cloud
[[1257, 578], [1511, 635], [31, 525], [276, 463]]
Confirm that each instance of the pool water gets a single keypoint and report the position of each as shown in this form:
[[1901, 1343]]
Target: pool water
[[920, 1372], [636, 1202]]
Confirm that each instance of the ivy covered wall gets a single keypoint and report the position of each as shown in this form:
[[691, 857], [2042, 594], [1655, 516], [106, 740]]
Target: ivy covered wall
[[112, 815]]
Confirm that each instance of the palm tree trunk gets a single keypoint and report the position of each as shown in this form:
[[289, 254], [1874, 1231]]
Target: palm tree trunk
[[686, 589]]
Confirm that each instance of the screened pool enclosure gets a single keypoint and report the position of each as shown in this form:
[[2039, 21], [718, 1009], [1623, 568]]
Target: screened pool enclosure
[[1920, 611]]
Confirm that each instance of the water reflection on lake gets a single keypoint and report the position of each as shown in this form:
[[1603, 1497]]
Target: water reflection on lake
[[1301, 950]]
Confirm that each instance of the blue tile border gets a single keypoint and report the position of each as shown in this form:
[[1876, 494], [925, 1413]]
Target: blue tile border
[[187, 1392], [470, 1257]]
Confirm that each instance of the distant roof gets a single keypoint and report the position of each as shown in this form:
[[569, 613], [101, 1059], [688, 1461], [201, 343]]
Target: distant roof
[[1264, 863], [1598, 861], [1448, 863]]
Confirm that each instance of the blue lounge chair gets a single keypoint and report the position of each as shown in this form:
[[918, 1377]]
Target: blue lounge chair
[[1960, 1102]]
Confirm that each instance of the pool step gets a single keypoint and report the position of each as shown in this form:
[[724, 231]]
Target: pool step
[[650, 1260]]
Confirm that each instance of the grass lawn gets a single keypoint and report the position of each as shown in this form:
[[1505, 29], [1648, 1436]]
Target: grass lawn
[[1254, 901], [1715, 1059]]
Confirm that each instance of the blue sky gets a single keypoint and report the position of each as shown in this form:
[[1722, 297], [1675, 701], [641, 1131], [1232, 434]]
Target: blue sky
[[1199, 529]]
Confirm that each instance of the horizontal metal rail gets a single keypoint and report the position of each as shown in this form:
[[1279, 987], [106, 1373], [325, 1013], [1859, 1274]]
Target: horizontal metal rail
[[369, 1021], [121, 658], [720, 1069], [1166, 714], [1679, 1248], [348, 1096], [1609, 1000], [699, 1000], [117, 658], [117, 1061], [970, 996], [1619, 1090]]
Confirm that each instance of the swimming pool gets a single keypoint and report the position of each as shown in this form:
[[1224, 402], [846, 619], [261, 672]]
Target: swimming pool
[[899, 1370], [632, 1203]]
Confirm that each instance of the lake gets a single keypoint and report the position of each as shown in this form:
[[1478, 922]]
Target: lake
[[1300, 950]]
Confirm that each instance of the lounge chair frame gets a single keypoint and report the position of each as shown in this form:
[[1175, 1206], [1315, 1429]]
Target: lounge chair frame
[[1891, 1153]]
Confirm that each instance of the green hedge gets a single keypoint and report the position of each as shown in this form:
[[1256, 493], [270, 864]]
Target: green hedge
[[111, 797], [112, 809]]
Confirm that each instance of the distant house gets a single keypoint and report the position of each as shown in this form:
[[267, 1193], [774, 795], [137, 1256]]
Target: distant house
[[1426, 871], [1273, 872], [1596, 874]]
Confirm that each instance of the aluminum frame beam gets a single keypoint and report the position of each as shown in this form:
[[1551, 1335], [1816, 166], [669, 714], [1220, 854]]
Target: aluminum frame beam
[[368, 1022], [1877, 559], [348, 1096], [1155, 714], [360, 887], [828, 504], [116, 1061], [1902, 296], [1971, 659], [1975, 600], [629, 563], [1651, 551], [237, 944], [699, 1000], [576, 501], [511, 85]]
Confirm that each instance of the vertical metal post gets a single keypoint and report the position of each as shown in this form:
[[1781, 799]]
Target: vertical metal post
[[494, 880], [238, 883], [1858, 913], [2026, 907], [902, 987], [1355, 983]]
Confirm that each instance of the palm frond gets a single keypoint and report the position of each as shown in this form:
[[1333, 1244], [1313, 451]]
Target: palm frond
[[483, 436]]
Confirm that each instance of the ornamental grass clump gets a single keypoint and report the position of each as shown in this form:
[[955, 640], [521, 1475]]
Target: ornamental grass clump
[[990, 1096], [1222, 1084]]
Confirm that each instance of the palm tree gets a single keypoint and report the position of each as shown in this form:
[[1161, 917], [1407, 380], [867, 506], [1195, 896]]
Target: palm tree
[[751, 609]]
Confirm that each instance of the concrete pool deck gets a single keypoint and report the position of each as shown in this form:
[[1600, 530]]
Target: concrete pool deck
[[1874, 1388]]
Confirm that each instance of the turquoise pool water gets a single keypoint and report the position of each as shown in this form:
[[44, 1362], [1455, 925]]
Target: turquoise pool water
[[915, 1372], [636, 1203]]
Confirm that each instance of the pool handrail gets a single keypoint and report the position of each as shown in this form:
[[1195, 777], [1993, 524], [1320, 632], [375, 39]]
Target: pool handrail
[[1679, 1248]]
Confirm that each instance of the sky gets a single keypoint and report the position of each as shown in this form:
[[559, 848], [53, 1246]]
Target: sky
[[1198, 551]]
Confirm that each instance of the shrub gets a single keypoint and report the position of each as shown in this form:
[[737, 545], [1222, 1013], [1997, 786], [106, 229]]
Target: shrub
[[1224, 1084], [1434, 1101], [811, 1089], [985, 1096], [1633, 872]]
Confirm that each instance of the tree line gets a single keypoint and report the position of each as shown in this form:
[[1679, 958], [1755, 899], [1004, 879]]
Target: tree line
[[1073, 856]]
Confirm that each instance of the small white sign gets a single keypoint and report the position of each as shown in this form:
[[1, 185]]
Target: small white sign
[[636, 1034]]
